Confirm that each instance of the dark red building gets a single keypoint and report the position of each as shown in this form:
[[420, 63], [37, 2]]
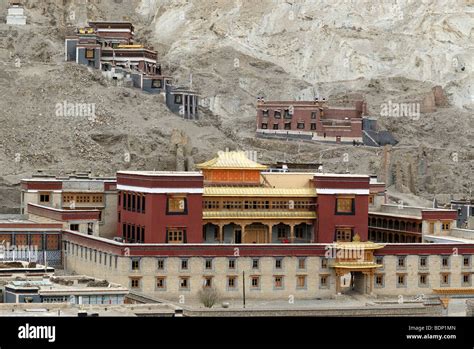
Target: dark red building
[[311, 120], [343, 207], [160, 207]]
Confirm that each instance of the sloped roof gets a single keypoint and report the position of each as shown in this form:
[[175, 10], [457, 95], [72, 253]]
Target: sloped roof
[[231, 160]]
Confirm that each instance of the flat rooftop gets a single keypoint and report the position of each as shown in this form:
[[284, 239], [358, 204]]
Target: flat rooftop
[[67, 285], [161, 173]]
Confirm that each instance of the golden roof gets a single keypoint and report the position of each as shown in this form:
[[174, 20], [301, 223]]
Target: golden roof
[[259, 191], [130, 46], [231, 160], [356, 265], [356, 244], [258, 214]]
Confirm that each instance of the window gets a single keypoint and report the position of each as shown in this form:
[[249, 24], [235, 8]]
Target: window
[[466, 261], [231, 281], [184, 283], [445, 261], [176, 204], [343, 234], [278, 263], [379, 280], [302, 263], [287, 126], [323, 281], [277, 114], [423, 280], [466, 279], [264, 126], [74, 227], [301, 281], [401, 280], [276, 127], [324, 263], [445, 279], [300, 231], [156, 83], [139, 202], [90, 53], [313, 115], [287, 114], [379, 260], [161, 264], [160, 282], [211, 204], [345, 205], [255, 263], [184, 264], [135, 264], [401, 262], [44, 198], [255, 282], [175, 235], [265, 113], [134, 283], [313, 126], [278, 281], [208, 264], [371, 199], [178, 99], [445, 226], [232, 263], [281, 232], [208, 281], [423, 262], [143, 204], [300, 125]]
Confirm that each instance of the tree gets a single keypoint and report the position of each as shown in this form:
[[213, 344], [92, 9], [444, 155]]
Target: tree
[[208, 296]]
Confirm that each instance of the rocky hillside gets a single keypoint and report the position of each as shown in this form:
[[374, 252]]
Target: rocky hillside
[[395, 52]]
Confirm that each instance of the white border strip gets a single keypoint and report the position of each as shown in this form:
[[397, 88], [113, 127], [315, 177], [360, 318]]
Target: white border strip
[[342, 191], [160, 190]]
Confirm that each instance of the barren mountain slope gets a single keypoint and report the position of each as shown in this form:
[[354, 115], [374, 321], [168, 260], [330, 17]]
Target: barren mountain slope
[[236, 51]]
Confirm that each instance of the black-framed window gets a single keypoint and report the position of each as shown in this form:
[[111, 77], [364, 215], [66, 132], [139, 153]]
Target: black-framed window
[[345, 205], [264, 125], [300, 125], [176, 205], [156, 83], [313, 126], [313, 115], [287, 125], [277, 114], [265, 112], [178, 99], [276, 126]]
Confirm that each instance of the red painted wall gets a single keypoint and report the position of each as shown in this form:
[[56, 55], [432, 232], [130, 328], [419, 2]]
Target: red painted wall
[[155, 220], [328, 220]]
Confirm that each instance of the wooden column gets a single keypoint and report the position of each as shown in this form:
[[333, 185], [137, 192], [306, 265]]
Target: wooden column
[[292, 232], [220, 229], [269, 235]]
